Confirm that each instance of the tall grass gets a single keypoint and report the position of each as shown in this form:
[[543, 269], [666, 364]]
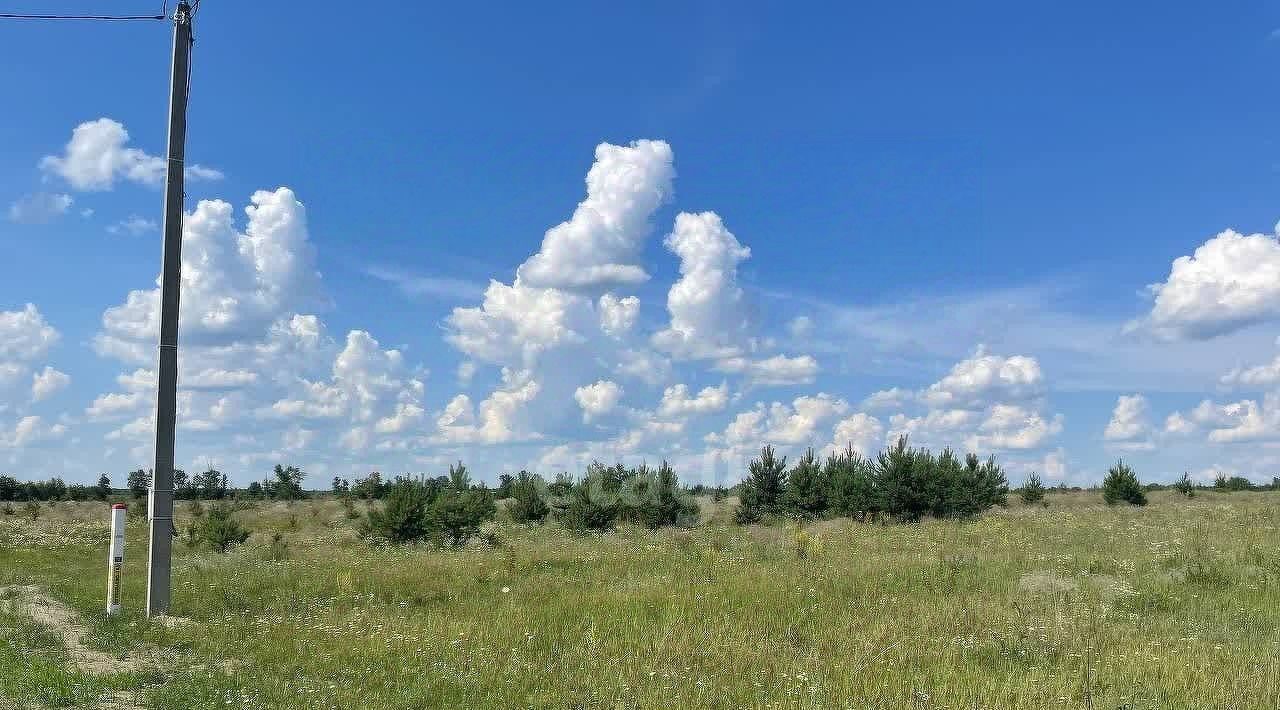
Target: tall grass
[[1078, 605]]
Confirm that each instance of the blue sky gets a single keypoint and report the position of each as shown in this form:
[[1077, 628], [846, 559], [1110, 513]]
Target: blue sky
[[959, 208]]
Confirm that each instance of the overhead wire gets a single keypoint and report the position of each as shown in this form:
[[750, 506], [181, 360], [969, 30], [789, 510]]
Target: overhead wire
[[164, 13]]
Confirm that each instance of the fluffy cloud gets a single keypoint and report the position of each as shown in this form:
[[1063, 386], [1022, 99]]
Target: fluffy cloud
[[677, 402], [776, 370], [24, 335], [1256, 377], [30, 430], [1230, 282], [97, 156], [1234, 422], [39, 207], [48, 382], [598, 399], [233, 284], [709, 318], [1129, 427], [986, 402], [892, 398], [983, 377], [502, 417], [779, 423], [115, 405], [861, 432], [1011, 426], [516, 323], [600, 245], [618, 315]]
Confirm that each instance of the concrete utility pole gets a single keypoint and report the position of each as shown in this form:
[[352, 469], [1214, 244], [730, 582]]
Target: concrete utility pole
[[161, 549]]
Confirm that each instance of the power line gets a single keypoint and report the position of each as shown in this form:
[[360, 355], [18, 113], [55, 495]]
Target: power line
[[164, 13]]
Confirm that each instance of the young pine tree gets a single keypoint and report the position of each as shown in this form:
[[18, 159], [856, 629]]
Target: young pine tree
[[902, 477], [404, 516], [457, 514], [220, 530], [806, 492], [530, 505], [851, 490], [1121, 486], [1185, 486], [1032, 492], [763, 488], [591, 506]]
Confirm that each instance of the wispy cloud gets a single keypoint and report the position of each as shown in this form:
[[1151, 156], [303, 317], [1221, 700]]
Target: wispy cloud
[[427, 285], [133, 226], [1082, 350], [39, 208]]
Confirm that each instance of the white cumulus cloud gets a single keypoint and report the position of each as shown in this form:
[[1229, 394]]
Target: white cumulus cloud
[[97, 155], [1230, 282], [600, 244], [597, 399]]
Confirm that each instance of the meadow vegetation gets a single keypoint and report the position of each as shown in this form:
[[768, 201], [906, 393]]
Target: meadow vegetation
[[875, 583]]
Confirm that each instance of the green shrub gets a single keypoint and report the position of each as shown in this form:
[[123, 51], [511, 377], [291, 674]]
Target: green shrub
[[1121, 485], [654, 498], [761, 494], [904, 481], [591, 506], [403, 517], [851, 489], [219, 529], [456, 515], [1032, 491], [1185, 486], [530, 505], [31, 509], [420, 509], [806, 491]]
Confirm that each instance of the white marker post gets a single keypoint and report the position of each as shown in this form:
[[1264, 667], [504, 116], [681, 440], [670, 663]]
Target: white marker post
[[115, 559]]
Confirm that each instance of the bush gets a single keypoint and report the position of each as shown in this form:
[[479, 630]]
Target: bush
[[806, 491], [904, 481], [761, 493], [219, 529], [654, 498], [851, 490], [457, 515], [1185, 486], [530, 506], [907, 483], [31, 510], [1032, 491], [591, 506], [418, 509], [403, 518], [1121, 485], [10, 488]]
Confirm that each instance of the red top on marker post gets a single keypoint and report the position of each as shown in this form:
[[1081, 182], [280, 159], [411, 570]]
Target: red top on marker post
[[119, 506]]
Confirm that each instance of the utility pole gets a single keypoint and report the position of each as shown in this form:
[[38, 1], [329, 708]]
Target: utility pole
[[161, 550]]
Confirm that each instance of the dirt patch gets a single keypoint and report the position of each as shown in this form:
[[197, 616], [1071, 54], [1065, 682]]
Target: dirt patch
[[66, 625]]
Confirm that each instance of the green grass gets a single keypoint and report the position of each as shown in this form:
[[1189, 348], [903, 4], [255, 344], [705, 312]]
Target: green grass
[[1077, 606]]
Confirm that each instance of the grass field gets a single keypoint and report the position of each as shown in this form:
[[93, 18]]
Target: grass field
[[1176, 605]]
